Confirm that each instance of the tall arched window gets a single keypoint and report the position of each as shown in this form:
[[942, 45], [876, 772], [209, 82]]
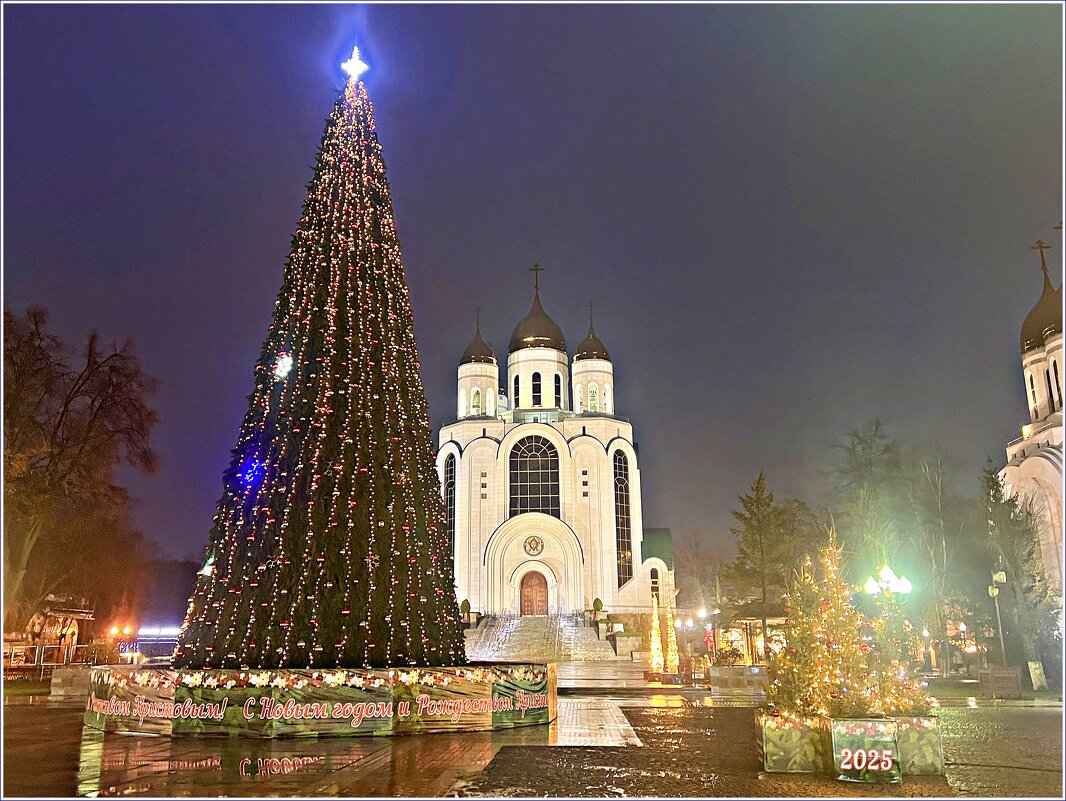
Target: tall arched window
[[515, 404], [1032, 391], [534, 477], [475, 402], [594, 398], [558, 391], [655, 583], [607, 405], [1050, 392], [579, 400], [1058, 380], [536, 389], [449, 501], [623, 537]]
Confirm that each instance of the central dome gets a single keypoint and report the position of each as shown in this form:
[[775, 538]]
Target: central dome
[[537, 330]]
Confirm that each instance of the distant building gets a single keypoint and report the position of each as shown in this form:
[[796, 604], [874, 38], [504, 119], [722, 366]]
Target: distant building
[[541, 481], [1034, 469]]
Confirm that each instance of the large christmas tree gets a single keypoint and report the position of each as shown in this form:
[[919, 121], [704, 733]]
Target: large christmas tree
[[329, 547]]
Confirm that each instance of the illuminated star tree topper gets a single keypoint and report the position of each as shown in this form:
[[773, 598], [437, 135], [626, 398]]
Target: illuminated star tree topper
[[355, 66]]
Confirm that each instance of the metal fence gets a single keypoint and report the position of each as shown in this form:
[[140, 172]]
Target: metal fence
[[46, 657]]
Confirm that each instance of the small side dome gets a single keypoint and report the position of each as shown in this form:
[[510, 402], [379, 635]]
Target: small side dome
[[1045, 318], [478, 350], [537, 330], [591, 348]]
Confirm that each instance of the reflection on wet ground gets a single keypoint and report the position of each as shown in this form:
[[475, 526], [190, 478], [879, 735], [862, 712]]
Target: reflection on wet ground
[[614, 744], [48, 752]]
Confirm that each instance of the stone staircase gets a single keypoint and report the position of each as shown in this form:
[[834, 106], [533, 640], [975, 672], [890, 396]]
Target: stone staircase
[[511, 638]]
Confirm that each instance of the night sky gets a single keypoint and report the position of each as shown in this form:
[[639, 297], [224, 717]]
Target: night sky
[[790, 219]]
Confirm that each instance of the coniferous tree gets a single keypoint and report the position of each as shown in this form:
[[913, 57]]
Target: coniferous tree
[[792, 671], [893, 642], [1013, 540], [823, 670], [329, 548]]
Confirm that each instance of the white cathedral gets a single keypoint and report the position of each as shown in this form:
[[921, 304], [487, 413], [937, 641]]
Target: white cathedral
[[1034, 469], [541, 481]]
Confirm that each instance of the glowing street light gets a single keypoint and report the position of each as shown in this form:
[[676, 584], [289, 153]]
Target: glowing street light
[[889, 582], [702, 613]]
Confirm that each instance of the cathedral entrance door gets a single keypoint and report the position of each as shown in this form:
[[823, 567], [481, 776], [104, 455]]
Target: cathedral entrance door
[[534, 594]]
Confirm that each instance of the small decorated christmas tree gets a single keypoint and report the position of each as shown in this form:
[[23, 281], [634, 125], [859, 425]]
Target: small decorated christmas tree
[[792, 672], [893, 639], [655, 639], [672, 660], [823, 669]]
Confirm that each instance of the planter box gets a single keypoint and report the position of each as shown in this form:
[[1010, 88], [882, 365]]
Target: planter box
[[865, 750], [921, 752], [793, 745], [1001, 683]]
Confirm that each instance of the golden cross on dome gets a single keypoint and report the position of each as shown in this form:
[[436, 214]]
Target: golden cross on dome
[[1041, 245], [536, 269]]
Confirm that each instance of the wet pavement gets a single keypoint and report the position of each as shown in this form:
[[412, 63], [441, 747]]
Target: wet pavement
[[615, 743], [691, 750]]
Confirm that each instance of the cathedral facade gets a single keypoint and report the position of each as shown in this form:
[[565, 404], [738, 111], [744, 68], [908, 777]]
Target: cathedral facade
[[541, 481], [1034, 469]]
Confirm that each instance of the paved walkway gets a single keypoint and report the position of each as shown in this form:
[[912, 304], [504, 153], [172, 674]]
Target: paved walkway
[[47, 752], [614, 735]]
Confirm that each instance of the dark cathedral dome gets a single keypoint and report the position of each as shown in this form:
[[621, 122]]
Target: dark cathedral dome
[[592, 347], [478, 350], [537, 330], [1045, 318]]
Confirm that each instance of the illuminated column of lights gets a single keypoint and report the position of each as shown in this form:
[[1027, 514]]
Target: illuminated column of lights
[[655, 639], [672, 660], [328, 546]]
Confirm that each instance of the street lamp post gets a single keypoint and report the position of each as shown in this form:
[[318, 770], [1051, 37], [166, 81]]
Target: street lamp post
[[999, 577]]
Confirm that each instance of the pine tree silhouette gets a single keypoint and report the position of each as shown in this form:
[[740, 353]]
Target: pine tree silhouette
[[329, 546]]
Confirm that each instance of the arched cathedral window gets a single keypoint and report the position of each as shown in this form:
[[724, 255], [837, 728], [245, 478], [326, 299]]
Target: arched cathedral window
[[536, 389], [449, 502], [594, 398], [1032, 391], [559, 390], [515, 404], [1050, 392], [534, 477], [623, 536], [1058, 381], [579, 400], [475, 402]]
